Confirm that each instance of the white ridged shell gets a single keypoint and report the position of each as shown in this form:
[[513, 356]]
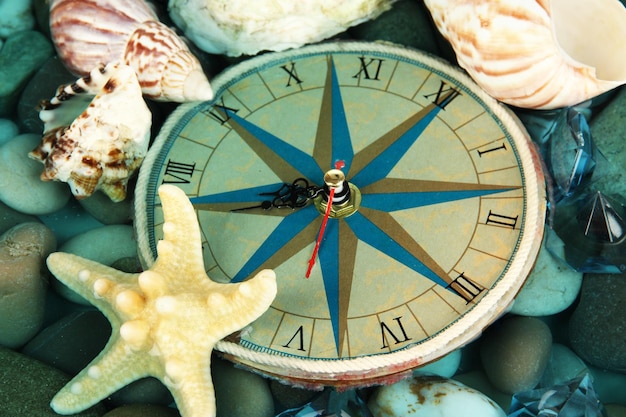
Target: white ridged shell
[[540, 54], [236, 27], [89, 33], [96, 132]]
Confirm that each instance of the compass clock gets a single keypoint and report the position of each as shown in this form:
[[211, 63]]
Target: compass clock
[[400, 206]]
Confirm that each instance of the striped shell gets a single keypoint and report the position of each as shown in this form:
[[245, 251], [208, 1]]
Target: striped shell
[[540, 54], [90, 33], [96, 132]]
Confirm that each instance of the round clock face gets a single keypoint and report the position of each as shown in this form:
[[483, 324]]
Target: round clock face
[[440, 223]]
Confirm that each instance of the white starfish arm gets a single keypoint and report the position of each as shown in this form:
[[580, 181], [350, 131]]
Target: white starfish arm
[[250, 299], [181, 244], [191, 386], [91, 280], [114, 368]]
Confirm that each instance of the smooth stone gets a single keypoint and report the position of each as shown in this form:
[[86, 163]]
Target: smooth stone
[[563, 366], [445, 367], [131, 264], [72, 342], [148, 390], [70, 221], [105, 245], [88, 333], [106, 211], [610, 173], [8, 130], [515, 353], [240, 393], [406, 23], [609, 386], [597, 328], [10, 217], [478, 380], [16, 66], [23, 250], [429, 396], [287, 396], [142, 410], [20, 185], [615, 410], [15, 16], [550, 288], [42, 15], [27, 386], [42, 86]]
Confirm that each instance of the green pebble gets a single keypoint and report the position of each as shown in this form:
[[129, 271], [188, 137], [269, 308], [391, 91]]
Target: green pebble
[[27, 386], [41, 86], [10, 218], [142, 410], [406, 23], [608, 129], [20, 57], [239, 393]]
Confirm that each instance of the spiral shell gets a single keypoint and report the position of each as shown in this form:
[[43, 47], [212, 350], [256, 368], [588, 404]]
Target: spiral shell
[[96, 132], [90, 33], [541, 54]]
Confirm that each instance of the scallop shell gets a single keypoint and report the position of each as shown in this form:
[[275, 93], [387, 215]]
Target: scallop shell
[[540, 54], [90, 33], [96, 132], [236, 27]]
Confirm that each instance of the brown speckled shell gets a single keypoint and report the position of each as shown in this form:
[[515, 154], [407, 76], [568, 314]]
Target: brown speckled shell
[[90, 33], [96, 132]]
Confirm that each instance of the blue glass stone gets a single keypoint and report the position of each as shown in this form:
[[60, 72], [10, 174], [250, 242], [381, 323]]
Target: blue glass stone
[[570, 154], [331, 403], [575, 398], [589, 233]]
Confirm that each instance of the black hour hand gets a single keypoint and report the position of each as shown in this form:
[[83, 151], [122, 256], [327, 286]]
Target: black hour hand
[[265, 205]]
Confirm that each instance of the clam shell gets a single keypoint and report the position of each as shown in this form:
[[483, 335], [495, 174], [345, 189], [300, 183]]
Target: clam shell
[[236, 27], [90, 33], [540, 54], [96, 132]]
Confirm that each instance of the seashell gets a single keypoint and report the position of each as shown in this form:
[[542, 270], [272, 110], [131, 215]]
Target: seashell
[[540, 54], [96, 132], [90, 33], [236, 27]]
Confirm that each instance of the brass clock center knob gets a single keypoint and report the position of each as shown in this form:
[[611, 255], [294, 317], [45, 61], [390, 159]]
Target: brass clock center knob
[[346, 198]]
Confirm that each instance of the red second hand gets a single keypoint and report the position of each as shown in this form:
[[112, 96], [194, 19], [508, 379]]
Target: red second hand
[[321, 233]]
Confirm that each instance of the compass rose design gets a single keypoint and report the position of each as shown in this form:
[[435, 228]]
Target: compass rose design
[[369, 173]]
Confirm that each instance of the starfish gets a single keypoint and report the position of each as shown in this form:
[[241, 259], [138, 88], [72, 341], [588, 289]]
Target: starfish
[[165, 321]]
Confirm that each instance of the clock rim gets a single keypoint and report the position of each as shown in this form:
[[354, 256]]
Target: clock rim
[[365, 370]]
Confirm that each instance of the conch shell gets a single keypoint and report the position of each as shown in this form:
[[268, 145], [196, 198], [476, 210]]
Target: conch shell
[[540, 54], [236, 27], [96, 132], [90, 33]]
